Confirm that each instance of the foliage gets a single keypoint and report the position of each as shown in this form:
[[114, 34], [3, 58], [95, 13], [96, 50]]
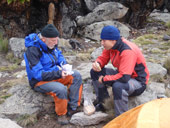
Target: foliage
[[21, 1], [27, 119], [11, 58], [3, 44], [146, 39], [5, 96], [167, 64], [8, 68], [168, 24], [157, 78]]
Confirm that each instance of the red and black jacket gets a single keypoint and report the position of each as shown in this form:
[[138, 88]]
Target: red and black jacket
[[129, 61]]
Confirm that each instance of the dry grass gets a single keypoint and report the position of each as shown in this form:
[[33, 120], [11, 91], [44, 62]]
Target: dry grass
[[26, 120], [3, 44], [109, 105], [156, 78], [168, 24], [167, 64]]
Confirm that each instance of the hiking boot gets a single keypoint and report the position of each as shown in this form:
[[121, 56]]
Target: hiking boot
[[71, 112], [100, 107], [63, 120]]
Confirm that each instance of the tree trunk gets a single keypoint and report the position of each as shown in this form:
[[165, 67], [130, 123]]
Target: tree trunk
[[139, 10]]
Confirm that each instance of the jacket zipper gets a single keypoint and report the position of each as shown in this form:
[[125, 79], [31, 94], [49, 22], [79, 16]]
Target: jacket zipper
[[114, 58]]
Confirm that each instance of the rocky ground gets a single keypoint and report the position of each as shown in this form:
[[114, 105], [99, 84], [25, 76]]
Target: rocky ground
[[153, 46]]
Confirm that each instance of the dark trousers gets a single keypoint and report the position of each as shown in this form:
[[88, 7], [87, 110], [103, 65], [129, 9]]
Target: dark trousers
[[121, 91]]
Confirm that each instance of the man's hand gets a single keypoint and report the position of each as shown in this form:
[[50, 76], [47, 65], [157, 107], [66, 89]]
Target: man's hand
[[96, 66], [100, 79], [64, 74]]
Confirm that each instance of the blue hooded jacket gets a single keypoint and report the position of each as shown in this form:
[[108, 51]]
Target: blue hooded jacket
[[42, 63]]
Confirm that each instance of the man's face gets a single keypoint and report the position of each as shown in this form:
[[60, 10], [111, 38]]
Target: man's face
[[108, 44], [51, 42]]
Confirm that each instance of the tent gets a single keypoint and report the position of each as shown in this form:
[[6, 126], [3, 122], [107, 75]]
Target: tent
[[153, 114]]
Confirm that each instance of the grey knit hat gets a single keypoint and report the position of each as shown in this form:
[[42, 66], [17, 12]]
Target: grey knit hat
[[50, 31]]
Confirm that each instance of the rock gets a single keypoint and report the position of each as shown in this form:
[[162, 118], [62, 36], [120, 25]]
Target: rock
[[17, 45], [84, 120], [25, 101], [165, 17], [156, 69], [104, 11], [90, 4], [23, 63], [70, 59], [7, 123], [97, 52], [93, 31], [166, 37], [153, 91]]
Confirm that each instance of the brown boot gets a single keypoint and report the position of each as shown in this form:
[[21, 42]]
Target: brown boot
[[63, 120]]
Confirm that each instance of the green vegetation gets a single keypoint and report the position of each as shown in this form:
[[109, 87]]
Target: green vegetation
[[167, 64], [3, 44], [146, 39], [168, 25], [168, 32], [11, 58], [157, 78], [5, 96], [27, 119], [9, 68], [21, 1]]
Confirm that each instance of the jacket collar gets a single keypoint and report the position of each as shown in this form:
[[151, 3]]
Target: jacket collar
[[118, 42]]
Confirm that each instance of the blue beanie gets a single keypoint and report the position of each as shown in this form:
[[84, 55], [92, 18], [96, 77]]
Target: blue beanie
[[110, 33], [50, 31]]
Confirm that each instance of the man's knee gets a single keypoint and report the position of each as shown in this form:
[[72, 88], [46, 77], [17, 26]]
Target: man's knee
[[77, 77], [117, 89], [61, 90]]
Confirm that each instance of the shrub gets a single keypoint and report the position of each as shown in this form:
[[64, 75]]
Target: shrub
[[167, 64], [21, 1], [168, 24], [3, 44]]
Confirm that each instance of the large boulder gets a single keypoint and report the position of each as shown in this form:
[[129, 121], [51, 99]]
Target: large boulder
[[93, 31], [25, 101], [7, 123], [105, 11]]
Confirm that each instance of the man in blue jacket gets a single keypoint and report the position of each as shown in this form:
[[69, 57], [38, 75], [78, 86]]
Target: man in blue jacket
[[45, 75]]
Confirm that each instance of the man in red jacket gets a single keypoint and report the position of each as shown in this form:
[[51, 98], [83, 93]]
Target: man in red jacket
[[130, 77]]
